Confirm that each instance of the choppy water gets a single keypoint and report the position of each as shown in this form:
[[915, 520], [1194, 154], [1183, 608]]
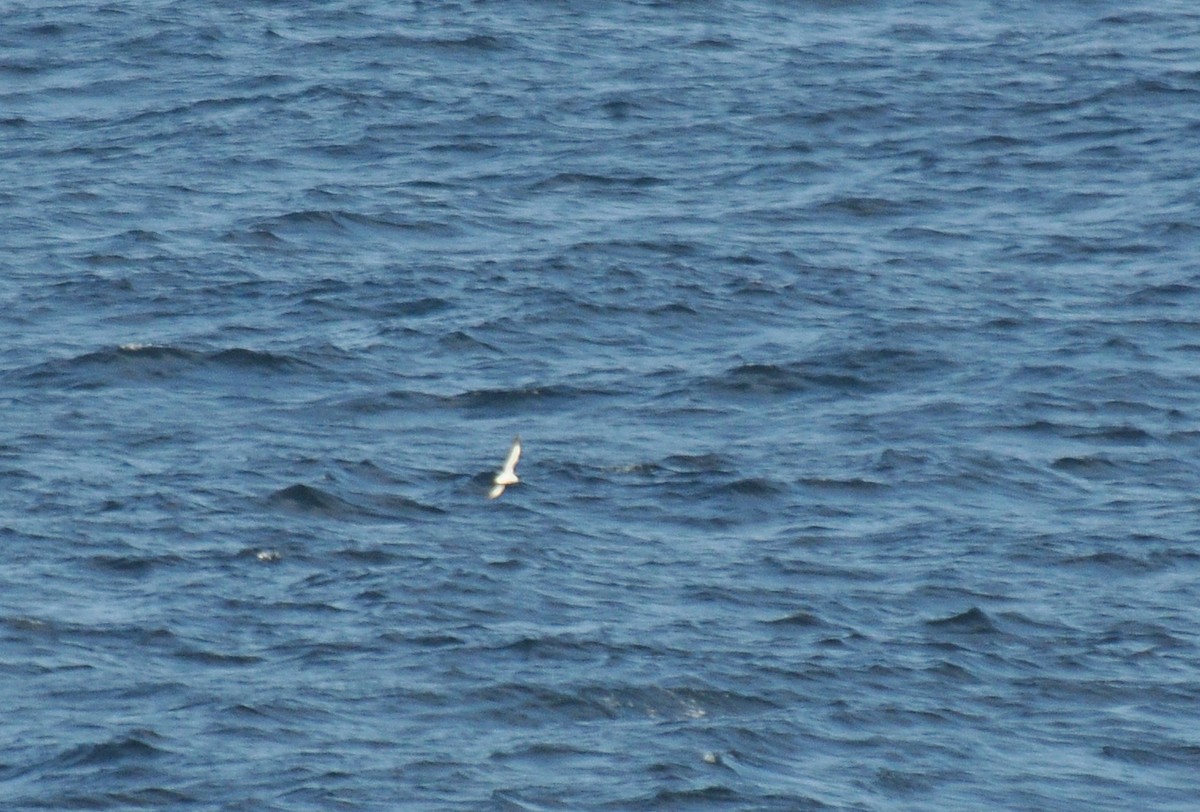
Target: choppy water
[[855, 348]]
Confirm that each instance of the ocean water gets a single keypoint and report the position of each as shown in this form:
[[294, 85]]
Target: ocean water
[[854, 347]]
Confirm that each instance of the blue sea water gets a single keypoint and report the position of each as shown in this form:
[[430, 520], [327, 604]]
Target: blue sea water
[[854, 346]]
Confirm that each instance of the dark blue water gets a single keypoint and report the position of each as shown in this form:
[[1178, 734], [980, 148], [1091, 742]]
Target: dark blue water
[[855, 348]]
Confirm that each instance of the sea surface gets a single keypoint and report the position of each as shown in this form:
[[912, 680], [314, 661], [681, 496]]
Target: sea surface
[[854, 346]]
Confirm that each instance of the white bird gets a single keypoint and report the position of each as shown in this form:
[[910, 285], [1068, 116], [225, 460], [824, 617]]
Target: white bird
[[508, 474]]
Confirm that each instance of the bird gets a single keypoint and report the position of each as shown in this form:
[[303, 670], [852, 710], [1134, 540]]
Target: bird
[[507, 475]]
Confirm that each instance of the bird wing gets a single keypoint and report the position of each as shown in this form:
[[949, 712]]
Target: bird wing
[[514, 454]]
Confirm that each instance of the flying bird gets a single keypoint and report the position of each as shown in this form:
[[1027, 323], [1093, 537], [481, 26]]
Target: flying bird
[[508, 474]]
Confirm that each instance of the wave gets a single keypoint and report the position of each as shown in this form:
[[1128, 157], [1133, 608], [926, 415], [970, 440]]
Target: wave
[[1088, 465], [321, 225], [138, 746], [696, 463], [217, 658], [463, 341], [1120, 434], [748, 486], [133, 565], [972, 621], [867, 206], [135, 362], [1171, 294], [850, 485], [493, 402], [1112, 560], [310, 500], [865, 370], [499, 400], [403, 42], [570, 180], [1184, 755], [307, 499], [257, 360], [592, 702], [800, 619], [776, 379]]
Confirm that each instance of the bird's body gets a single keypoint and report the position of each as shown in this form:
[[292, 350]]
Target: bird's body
[[507, 475]]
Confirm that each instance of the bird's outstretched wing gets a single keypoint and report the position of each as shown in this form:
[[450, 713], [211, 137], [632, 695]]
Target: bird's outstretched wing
[[514, 454]]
